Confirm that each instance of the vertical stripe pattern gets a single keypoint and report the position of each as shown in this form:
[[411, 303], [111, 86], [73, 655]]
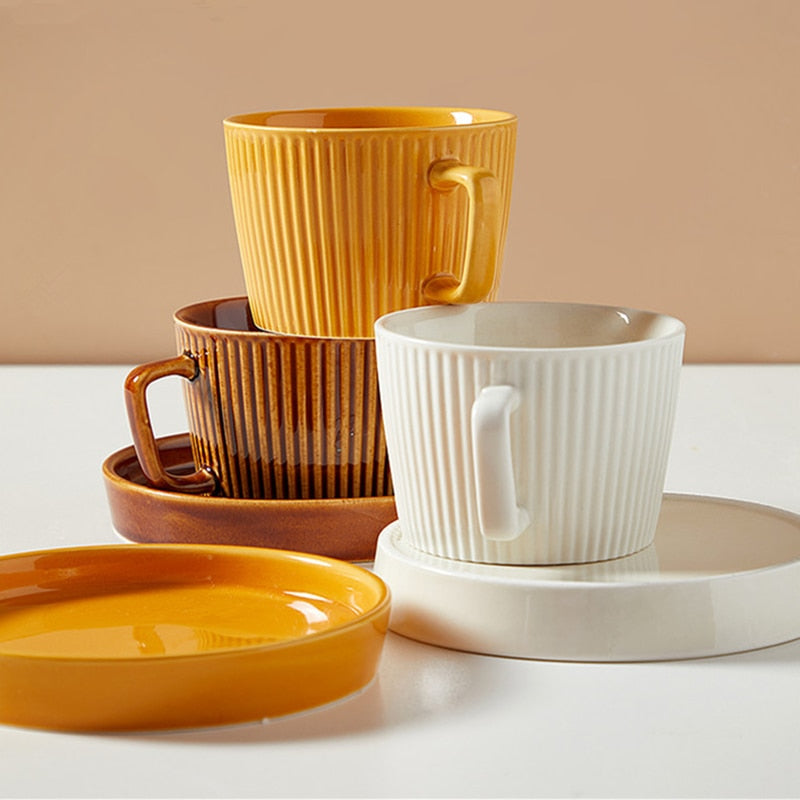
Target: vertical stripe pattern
[[337, 227], [285, 417], [590, 444]]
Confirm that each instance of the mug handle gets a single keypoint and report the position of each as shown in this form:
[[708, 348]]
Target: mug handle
[[144, 442], [483, 233], [499, 516]]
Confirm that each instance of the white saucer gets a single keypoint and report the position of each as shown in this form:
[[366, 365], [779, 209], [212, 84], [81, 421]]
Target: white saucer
[[722, 576]]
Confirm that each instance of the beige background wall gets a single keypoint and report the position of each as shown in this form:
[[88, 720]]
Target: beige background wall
[[658, 159]]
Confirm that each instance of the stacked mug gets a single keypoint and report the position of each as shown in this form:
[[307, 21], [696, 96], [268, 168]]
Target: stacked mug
[[342, 216]]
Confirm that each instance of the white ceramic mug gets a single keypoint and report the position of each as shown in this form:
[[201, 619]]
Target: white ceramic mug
[[528, 433]]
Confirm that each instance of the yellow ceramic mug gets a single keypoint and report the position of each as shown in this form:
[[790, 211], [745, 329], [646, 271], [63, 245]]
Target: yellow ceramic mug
[[344, 215]]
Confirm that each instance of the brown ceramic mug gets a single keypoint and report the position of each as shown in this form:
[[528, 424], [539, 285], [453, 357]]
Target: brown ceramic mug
[[270, 416]]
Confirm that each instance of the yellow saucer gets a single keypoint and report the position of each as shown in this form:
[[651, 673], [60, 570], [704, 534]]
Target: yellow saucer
[[180, 636]]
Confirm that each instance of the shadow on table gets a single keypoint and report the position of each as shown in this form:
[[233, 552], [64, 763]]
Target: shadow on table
[[785, 653], [414, 681]]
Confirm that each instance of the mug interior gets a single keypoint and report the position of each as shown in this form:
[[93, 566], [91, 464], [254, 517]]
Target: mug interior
[[530, 325], [386, 117], [231, 317], [231, 314]]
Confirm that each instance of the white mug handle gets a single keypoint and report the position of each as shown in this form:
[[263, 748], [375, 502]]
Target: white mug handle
[[500, 517]]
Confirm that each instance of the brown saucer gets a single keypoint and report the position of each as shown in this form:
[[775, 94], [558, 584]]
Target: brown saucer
[[343, 528]]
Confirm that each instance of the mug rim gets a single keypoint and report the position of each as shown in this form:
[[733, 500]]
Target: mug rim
[[250, 120], [181, 319], [384, 330]]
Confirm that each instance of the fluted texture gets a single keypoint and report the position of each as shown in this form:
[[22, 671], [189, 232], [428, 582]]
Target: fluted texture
[[590, 444], [336, 228], [277, 417]]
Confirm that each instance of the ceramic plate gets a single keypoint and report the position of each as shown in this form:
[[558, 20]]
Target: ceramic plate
[[721, 577], [139, 637], [345, 528]]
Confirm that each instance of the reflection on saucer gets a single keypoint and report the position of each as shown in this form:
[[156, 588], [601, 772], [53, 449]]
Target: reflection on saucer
[[153, 637]]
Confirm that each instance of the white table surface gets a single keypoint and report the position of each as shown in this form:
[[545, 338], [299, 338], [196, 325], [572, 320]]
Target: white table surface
[[435, 722]]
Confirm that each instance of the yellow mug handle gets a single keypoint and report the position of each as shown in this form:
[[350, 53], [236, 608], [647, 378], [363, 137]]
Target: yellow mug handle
[[483, 233]]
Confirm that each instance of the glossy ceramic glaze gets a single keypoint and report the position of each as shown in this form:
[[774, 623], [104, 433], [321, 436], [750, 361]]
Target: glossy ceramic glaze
[[344, 528], [528, 433], [147, 636], [720, 577], [271, 417], [346, 214]]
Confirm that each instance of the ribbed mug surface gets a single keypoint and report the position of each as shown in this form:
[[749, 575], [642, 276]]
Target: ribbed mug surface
[[278, 416], [588, 441], [336, 218]]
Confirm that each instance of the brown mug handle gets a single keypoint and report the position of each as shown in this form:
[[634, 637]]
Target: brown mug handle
[[144, 441]]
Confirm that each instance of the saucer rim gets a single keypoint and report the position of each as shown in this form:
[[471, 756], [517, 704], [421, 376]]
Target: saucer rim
[[593, 621], [343, 656], [178, 441]]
